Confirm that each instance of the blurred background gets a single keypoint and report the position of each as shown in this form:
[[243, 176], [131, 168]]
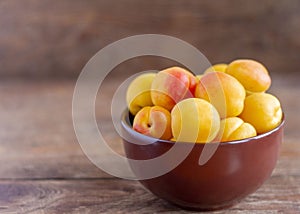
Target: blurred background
[[54, 39]]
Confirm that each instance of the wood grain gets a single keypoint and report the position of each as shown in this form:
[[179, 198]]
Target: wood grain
[[121, 196], [42, 39]]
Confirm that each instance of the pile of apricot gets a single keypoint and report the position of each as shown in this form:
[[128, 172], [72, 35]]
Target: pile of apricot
[[228, 102]]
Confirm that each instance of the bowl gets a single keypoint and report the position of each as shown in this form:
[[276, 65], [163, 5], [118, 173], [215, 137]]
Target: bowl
[[236, 169]]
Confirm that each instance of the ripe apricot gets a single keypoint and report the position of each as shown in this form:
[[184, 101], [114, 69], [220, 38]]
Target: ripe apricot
[[223, 91], [194, 120], [251, 74], [234, 128], [263, 111]]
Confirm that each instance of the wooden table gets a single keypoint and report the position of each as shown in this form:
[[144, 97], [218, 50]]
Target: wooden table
[[43, 169]]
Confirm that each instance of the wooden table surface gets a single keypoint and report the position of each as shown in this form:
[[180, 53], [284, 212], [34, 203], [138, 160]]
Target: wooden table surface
[[43, 169]]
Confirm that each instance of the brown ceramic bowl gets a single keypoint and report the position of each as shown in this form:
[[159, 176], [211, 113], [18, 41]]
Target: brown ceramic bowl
[[236, 169]]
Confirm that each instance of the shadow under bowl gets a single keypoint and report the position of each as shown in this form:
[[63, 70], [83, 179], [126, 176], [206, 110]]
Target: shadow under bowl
[[236, 169]]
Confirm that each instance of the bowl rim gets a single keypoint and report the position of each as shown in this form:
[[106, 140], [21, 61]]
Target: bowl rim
[[125, 123]]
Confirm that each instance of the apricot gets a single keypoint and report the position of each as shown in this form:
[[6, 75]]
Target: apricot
[[194, 120], [138, 93], [171, 86], [251, 74], [199, 76], [217, 67], [223, 91], [153, 121], [234, 128], [263, 111]]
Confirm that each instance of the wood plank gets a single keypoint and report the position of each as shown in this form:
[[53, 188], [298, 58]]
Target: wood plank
[[45, 40], [279, 194], [36, 135]]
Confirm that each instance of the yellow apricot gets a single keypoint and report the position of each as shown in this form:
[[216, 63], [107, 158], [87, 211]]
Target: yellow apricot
[[138, 94], [199, 76], [251, 74], [263, 111], [234, 128], [217, 67], [246, 130], [223, 91], [194, 120]]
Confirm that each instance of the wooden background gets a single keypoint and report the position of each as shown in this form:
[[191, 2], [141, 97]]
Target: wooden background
[[43, 46], [54, 39]]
